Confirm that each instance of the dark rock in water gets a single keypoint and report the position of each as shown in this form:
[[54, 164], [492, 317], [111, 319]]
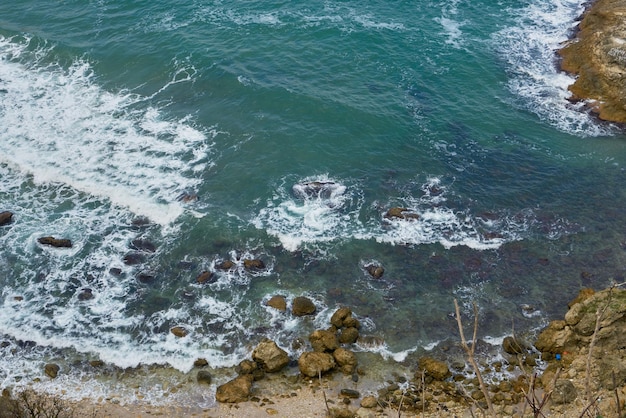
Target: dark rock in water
[[206, 277], [204, 376], [201, 362], [6, 218], [254, 264], [323, 341], [134, 258], [96, 363], [225, 265], [375, 270], [55, 242], [320, 189], [302, 306], [85, 294], [179, 331], [278, 302], [187, 197], [141, 221], [115, 271], [143, 245], [145, 277], [400, 213], [51, 370], [237, 390], [270, 356], [313, 363]]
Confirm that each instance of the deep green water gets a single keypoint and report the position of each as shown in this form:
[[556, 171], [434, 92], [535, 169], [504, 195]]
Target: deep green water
[[112, 111]]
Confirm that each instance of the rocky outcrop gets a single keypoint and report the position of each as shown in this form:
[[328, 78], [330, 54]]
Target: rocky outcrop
[[565, 343], [400, 213], [270, 356], [301, 306], [323, 340], [313, 363], [598, 57], [236, 390], [6, 217], [436, 369], [55, 242], [278, 302]]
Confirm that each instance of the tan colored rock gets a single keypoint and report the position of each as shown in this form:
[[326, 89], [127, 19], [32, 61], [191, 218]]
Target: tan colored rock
[[438, 370], [270, 356], [236, 390], [346, 360], [311, 363], [302, 306], [322, 340], [348, 335], [51, 370], [339, 316], [179, 331], [278, 302]]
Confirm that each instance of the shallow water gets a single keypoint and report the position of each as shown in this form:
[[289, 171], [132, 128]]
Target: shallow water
[[199, 127]]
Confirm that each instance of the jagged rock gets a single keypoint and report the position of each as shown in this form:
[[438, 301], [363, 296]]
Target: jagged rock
[[351, 322], [270, 356], [55, 242], [278, 302], [375, 271], [143, 245], [204, 376], [339, 316], [348, 335], [51, 370], [346, 360], [564, 392], [179, 331], [133, 258], [206, 277], [302, 306], [583, 295], [400, 213], [6, 217], [253, 264], [225, 265], [322, 340], [313, 363], [236, 390], [250, 367], [438, 370]]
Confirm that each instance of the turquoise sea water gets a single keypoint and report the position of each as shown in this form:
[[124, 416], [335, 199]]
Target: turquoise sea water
[[112, 112]]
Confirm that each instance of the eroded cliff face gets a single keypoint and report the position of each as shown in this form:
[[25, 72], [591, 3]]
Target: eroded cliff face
[[598, 57]]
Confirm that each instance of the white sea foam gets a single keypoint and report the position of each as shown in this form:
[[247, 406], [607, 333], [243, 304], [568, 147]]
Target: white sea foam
[[528, 48], [59, 126]]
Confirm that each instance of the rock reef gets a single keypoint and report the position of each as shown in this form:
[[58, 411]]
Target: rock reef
[[597, 55]]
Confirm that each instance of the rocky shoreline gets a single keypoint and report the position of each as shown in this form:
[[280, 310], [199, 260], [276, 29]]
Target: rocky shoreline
[[576, 364], [597, 56]]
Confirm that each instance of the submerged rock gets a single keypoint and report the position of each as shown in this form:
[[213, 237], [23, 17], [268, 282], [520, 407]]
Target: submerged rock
[[55, 242], [6, 218], [206, 277], [375, 270], [254, 264], [400, 213]]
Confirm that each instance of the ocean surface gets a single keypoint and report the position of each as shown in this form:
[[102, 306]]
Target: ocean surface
[[166, 137]]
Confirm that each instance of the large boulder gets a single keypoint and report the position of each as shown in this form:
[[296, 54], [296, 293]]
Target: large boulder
[[301, 306], [51, 370], [311, 364], [348, 335], [6, 217], [278, 302], [236, 390], [346, 360], [339, 316], [55, 242], [323, 340], [270, 356]]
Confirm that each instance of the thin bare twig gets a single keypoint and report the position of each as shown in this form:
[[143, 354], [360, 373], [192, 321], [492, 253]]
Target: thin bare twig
[[619, 407], [470, 354], [599, 314]]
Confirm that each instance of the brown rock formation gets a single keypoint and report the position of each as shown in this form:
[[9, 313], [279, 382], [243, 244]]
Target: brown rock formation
[[270, 356], [598, 56], [236, 390]]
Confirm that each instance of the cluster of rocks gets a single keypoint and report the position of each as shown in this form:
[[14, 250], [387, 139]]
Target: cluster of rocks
[[326, 355], [6, 218], [598, 57]]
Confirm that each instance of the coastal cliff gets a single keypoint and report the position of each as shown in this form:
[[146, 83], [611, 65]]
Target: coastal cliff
[[597, 55]]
